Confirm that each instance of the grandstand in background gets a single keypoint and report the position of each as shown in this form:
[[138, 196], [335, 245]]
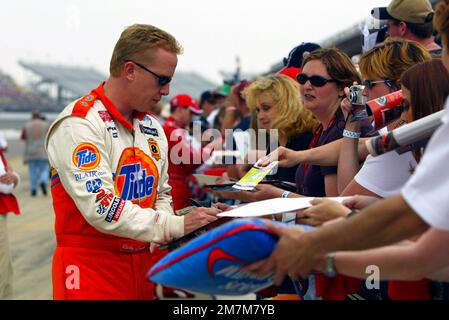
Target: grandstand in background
[[63, 84], [16, 98]]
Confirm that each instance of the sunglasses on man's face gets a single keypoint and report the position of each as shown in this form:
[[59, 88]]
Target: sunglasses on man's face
[[161, 80], [316, 81]]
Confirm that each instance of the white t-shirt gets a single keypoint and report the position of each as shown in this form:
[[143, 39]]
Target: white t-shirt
[[385, 175], [211, 117], [427, 192]]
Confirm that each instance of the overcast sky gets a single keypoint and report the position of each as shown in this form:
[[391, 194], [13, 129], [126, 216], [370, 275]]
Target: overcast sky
[[212, 32]]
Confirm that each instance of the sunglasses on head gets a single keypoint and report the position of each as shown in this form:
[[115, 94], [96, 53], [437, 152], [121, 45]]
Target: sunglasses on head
[[369, 84], [161, 80], [316, 81]]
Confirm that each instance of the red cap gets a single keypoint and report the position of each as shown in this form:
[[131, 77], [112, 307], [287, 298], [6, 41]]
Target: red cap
[[185, 101], [292, 72]]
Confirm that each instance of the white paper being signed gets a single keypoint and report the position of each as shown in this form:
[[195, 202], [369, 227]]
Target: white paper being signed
[[273, 206]]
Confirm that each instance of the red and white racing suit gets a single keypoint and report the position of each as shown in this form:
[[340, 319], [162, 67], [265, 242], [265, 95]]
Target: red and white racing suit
[[111, 200]]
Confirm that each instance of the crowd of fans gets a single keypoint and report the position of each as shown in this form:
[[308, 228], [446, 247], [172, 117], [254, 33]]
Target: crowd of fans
[[320, 143]]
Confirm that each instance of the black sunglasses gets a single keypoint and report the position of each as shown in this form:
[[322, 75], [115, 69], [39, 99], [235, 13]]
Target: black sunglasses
[[316, 81], [369, 84], [161, 80]]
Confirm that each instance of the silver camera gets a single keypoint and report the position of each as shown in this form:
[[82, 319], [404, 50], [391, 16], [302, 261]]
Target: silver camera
[[356, 96], [358, 101]]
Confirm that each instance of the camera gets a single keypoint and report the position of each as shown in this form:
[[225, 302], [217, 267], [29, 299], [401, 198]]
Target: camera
[[384, 110], [355, 95], [358, 101]]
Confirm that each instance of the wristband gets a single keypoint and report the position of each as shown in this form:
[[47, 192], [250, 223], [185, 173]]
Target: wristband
[[351, 134], [329, 266], [285, 194]]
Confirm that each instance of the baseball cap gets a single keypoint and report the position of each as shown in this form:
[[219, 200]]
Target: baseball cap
[[207, 96], [297, 54], [185, 101], [413, 11], [223, 90], [291, 72]]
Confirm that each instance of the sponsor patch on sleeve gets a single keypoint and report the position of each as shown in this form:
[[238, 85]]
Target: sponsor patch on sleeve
[[86, 156], [101, 209], [115, 210], [93, 185]]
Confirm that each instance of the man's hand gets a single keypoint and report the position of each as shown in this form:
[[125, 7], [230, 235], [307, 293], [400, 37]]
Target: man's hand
[[360, 202], [322, 210], [222, 206], [294, 255], [262, 192], [285, 156], [8, 178], [199, 217]]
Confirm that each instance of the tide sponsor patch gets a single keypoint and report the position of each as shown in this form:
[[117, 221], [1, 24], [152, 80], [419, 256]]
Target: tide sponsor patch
[[154, 149], [137, 178], [86, 156]]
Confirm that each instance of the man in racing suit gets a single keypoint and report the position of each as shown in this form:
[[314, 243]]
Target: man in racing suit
[[109, 178], [184, 157]]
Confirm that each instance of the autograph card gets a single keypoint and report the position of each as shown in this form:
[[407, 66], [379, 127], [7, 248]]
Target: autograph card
[[252, 178]]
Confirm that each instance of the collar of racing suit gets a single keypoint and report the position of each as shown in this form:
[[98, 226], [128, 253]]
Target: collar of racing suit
[[112, 109]]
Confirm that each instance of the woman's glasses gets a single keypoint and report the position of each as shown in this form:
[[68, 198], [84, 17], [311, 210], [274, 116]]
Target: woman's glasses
[[369, 84], [316, 81]]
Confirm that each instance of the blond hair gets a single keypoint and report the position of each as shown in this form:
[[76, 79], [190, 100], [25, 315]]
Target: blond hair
[[389, 60], [135, 41], [441, 21], [292, 118]]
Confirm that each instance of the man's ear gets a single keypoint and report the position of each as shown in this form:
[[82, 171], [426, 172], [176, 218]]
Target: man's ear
[[129, 70], [402, 28]]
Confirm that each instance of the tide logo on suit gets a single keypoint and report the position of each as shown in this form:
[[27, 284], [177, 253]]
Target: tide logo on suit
[[86, 156], [137, 178]]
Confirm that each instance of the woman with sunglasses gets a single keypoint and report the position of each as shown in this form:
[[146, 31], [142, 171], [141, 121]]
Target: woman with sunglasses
[[381, 67], [325, 74]]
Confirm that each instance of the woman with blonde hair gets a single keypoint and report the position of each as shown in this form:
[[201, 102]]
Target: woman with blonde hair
[[279, 106]]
